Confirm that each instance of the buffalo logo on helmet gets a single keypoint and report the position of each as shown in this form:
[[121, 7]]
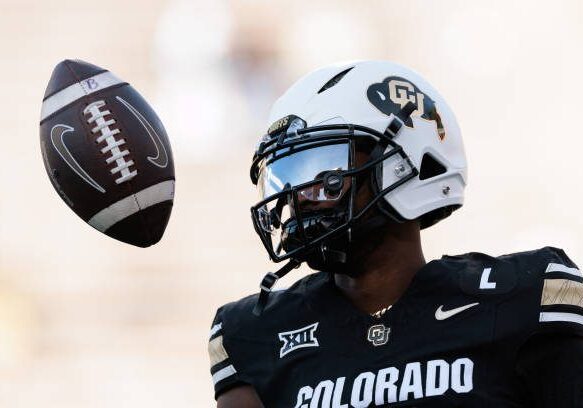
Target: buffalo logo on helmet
[[391, 95]]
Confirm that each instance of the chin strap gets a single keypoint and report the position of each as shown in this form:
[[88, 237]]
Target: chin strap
[[268, 282], [339, 258], [332, 255]]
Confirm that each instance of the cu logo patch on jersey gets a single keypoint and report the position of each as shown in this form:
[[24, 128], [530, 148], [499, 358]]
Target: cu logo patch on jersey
[[378, 334], [391, 96]]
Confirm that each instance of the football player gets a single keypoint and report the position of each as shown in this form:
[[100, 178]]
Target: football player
[[359, 158]]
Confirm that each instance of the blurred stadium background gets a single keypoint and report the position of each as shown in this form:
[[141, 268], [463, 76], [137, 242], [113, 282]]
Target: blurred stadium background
[[86, 321]]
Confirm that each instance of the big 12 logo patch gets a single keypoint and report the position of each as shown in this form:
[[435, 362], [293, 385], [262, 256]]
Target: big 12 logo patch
[[391, 95]]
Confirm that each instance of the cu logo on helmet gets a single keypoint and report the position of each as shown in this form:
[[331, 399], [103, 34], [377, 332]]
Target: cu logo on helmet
[[391, 95]]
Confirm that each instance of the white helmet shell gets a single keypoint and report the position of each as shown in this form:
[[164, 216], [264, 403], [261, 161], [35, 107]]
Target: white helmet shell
[[369, 93]]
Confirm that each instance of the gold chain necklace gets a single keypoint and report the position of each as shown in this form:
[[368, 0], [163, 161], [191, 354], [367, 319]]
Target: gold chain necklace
[[379, 313]]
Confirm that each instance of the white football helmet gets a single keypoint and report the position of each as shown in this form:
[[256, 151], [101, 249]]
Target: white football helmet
[[417, 164]]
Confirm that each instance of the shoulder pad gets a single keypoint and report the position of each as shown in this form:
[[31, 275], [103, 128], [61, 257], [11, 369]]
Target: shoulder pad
[[532, 292], [547, 294]]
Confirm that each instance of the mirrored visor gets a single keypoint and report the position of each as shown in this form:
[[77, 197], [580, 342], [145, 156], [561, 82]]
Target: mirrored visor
[[302, 167]]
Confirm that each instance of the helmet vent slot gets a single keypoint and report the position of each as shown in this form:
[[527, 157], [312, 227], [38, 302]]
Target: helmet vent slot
[[335, 79], [430, 167]]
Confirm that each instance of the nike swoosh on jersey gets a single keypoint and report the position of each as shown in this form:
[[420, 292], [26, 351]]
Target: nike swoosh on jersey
[[161, 157], [441, 314], [57, 133]]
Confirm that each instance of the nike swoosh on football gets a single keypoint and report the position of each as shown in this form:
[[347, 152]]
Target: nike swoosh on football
[[161, 157], [57, 133], [441, 314]]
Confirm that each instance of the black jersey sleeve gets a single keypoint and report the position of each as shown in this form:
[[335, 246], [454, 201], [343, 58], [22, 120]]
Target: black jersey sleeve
[[226, 373], [550, 367], [561, 296], [241, 346], [550, 362]]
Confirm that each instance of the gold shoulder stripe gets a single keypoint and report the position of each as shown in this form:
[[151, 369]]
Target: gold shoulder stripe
[[562, 292], [217, 352]]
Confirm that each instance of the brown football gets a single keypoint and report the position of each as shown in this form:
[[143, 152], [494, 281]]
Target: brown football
[[106, 153]]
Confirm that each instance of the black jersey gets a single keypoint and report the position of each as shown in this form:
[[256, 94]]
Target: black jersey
[[453, 339]]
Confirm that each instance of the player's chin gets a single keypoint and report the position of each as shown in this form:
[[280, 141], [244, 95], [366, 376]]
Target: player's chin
[[334, 267], [335, 260]]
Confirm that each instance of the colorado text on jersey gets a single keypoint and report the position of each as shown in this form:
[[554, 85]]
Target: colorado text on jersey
[[389, 385]]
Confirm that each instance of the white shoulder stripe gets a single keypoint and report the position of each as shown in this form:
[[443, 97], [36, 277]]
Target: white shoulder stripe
[[554, 267], [76, 91], [223, 373], [108, 217], [216, 328], [561, 317]]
